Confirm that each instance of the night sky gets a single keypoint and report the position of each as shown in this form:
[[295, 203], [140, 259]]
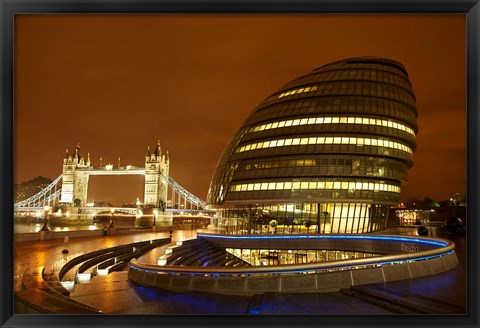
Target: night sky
[[117, 83]]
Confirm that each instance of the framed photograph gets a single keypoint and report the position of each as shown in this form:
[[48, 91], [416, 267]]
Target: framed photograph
[[239, 163]]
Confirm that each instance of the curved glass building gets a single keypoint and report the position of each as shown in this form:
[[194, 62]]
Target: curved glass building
[[326, 153]]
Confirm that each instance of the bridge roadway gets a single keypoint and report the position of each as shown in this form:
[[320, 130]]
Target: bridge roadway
[[114, 293]]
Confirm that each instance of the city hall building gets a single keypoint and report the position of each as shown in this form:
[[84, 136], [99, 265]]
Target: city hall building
[[327, 153]]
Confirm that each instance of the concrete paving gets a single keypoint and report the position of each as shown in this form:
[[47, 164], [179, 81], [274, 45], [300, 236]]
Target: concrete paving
[[115, 294]]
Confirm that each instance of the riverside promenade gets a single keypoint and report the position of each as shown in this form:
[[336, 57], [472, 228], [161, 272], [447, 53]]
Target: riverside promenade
[[116, 294]]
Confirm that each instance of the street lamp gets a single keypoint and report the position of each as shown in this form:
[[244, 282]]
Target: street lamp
[[112, 212], [46, 209]]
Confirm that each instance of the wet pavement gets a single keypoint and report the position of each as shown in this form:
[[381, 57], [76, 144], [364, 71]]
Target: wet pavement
[[115, 294]]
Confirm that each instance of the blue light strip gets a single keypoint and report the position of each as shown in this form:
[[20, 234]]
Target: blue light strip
[[362, 237], [351, 267]]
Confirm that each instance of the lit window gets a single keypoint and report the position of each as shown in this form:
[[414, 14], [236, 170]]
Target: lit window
[[325, 140]]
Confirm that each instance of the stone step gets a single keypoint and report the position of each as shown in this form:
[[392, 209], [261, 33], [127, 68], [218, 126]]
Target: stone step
[[385, 304], [415, 302]]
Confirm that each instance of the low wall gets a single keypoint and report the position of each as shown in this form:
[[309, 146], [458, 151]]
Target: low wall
[[408, 263], [294, 282], [32, 236]]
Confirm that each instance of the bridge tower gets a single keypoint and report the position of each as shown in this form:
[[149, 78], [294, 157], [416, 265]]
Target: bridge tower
[[156, 186], [74, 184]]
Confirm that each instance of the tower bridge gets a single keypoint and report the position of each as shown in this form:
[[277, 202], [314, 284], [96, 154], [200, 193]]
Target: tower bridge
[[70, 189]]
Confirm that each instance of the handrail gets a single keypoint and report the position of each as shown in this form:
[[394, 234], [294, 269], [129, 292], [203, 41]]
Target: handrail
[[81, 258], [448, 247]]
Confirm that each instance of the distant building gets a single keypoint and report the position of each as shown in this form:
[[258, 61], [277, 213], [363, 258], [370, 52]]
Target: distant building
[[437, 215], [330, 148], [29, 188]]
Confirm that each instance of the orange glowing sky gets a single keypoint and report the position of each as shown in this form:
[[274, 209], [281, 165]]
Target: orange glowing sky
[[117, 83]]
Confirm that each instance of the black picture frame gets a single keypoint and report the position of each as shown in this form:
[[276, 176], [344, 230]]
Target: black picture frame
[[8, 10]]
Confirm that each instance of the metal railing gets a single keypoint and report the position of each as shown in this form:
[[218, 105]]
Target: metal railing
[[184, 192], [444, 247]]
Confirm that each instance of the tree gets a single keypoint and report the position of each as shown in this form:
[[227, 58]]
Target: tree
[[307, 225], [413, 202], [429, 203], [274, 224]]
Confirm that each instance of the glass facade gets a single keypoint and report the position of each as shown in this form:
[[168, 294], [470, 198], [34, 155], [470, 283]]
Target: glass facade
[[259, 257], [327, 151]]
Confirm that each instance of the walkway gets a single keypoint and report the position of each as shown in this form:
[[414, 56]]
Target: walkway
[[116, 294]]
